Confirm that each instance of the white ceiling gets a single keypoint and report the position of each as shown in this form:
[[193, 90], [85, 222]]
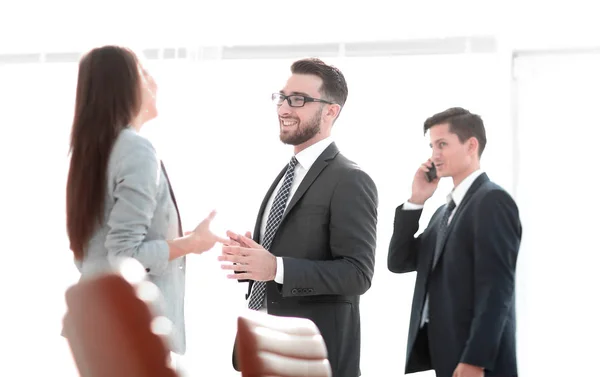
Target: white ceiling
[[71, 25]]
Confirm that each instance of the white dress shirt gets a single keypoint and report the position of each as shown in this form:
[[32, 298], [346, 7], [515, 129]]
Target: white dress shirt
[[306, 159]]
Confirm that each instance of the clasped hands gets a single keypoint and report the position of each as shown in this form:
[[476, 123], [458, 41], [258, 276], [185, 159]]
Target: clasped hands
[[247, 258]]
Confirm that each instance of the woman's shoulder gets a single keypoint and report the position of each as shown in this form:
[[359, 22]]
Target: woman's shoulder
[[129, 138], [133, 150]]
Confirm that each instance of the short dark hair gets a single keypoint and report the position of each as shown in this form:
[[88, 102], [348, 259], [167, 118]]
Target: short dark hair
[[461, 122], [334, 86]]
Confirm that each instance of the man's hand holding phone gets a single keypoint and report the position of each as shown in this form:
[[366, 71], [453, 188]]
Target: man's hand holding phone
[[424, 187]]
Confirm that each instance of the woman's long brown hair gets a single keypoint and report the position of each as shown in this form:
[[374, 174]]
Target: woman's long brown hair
[[107, 101]]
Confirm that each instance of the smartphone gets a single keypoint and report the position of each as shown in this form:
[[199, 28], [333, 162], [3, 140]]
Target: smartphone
[[431, 174]]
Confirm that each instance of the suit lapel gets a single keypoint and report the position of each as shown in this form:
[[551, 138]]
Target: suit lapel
[[164, 170], [455, 218], [322, 161], [261, 211], [435, 223], [316, 169]]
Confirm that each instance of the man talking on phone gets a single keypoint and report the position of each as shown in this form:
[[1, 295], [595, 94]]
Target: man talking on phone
[[463, 311]]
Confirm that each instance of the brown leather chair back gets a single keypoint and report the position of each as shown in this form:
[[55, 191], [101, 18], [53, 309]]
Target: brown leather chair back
[[280, 346], [108, 327]]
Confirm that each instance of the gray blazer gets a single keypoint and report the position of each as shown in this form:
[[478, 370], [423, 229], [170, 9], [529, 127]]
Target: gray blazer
[[140, 214]]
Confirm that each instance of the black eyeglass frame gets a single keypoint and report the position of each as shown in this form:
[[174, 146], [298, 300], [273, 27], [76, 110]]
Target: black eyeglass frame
[[278, 99]]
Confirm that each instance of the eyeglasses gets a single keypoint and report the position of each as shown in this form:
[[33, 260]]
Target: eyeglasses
[[295, 100]]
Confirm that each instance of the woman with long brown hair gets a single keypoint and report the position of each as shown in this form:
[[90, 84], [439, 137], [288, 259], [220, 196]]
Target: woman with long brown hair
[[119, 199]]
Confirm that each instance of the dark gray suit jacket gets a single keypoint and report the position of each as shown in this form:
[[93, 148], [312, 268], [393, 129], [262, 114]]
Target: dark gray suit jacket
[[327, 242], [471, 287]]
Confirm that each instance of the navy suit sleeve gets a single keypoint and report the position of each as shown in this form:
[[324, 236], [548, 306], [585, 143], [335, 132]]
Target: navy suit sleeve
[[404, 246]]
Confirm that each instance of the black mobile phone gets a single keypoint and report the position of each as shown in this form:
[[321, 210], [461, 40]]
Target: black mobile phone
[[431, 174]]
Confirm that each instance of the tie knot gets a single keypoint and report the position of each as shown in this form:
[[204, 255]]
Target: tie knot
[[451, 204], [293, 162]]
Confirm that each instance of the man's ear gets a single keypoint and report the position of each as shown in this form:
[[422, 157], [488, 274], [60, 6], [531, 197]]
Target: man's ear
[[333, 111], [473, 145]]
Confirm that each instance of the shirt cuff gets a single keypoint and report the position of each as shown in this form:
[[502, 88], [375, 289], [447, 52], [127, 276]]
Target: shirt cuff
[[408, 206], [279, 272]]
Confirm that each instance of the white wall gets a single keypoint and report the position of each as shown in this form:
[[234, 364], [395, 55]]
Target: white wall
[[557, 193]]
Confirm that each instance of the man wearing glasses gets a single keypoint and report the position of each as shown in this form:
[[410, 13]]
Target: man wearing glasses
[[312, 253]]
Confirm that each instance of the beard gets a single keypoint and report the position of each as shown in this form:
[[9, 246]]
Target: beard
[[304, 131]]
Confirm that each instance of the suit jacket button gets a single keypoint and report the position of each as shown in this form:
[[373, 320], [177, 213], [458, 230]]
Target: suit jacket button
[[294, 291], [147, 270]]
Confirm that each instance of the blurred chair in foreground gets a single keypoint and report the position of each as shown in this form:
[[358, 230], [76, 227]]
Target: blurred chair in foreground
[[269, 345], [111, 328]]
